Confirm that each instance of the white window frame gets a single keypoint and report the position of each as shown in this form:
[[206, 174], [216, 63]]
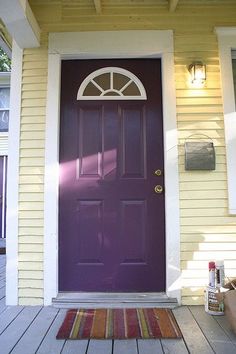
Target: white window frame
[[120, 96], [108, 45], [227, 43], [3, 133]]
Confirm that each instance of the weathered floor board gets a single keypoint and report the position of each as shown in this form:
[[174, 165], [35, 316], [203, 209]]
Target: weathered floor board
[[125, 346], [49, 344], [218, 339], [14, 332], [193, 335], [2, 305], [175, 346], [8, 316], [222, 321], [32, 339], [100, 347], [152, 346], [29, 330], [75, 346]]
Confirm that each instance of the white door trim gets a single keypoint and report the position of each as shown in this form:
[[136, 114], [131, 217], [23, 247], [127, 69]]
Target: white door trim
[[117, 44], [227, 42]]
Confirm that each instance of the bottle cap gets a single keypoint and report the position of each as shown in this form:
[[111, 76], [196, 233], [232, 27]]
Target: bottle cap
[[211, 265], [219, 263]]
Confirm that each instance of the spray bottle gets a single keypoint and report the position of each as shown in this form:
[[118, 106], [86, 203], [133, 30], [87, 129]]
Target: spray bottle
[[212, 268]]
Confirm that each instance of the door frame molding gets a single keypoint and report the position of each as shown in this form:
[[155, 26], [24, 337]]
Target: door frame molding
[[108, 45]]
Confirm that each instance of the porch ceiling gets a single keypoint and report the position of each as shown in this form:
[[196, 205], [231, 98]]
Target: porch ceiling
[[105, 5], [25, 25]]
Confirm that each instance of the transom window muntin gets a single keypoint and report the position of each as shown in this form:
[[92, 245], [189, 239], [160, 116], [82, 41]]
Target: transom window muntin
[[111, 83]]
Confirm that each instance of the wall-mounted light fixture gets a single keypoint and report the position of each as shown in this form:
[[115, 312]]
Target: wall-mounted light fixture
[[198, 73]]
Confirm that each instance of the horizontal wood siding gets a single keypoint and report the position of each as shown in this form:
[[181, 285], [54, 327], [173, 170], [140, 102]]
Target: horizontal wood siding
[[207, 230], [31, 180]]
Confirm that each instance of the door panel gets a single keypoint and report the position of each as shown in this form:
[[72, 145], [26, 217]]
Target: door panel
[[90, 142], [111, 222], [133, 217], [90, 214], [133, 140]]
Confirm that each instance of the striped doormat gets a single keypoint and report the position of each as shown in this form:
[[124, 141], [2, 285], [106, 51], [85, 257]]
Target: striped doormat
[[119, 324]]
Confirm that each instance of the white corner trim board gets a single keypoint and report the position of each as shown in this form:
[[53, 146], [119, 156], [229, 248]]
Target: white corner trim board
[[117, 44], [227, 42], [13, 178]]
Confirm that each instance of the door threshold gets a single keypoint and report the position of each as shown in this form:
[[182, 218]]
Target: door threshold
[[113, 300]]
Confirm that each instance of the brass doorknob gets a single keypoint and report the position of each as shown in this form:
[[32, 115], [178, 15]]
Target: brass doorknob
[[158, 189]]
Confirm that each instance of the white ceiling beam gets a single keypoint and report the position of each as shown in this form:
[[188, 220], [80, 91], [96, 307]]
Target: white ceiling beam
[[172, 5], [98, 6], [20, 22]]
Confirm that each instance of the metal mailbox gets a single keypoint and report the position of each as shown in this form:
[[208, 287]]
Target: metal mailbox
[[199, 155]]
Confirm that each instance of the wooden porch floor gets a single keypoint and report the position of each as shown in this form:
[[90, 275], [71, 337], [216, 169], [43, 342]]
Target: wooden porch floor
[[29, 330]]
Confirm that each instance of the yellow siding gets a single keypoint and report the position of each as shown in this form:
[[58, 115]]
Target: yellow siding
[[31, 179], [207, 230]]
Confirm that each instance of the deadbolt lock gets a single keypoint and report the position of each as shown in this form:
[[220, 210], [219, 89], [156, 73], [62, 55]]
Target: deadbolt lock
[[157, 172], [158, 189]]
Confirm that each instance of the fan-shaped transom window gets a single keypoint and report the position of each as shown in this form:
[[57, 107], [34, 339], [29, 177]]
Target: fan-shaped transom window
[[111, 83]]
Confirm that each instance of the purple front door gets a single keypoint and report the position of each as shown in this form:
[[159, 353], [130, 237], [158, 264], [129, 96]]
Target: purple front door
[[111, 220]]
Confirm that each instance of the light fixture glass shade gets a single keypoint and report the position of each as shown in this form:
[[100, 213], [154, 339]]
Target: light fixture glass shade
[[198, 73]]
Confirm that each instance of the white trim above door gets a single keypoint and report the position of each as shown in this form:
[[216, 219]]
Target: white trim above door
[[104, 45]]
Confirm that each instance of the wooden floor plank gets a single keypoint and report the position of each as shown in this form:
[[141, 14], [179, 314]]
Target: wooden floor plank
[[193, 336], [2, 293], [16, 329], [149, 346], [2, 305], [100, 347], [2, 259], [2, 263], [34, 335], [8, 316], [125, 347], [215, 335], [28, 330], [51, 345], [2, 283], [224, 323], [75, 346], [174, 346]]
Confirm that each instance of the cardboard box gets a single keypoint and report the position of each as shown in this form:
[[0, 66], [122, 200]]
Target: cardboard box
[[229, 298]]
